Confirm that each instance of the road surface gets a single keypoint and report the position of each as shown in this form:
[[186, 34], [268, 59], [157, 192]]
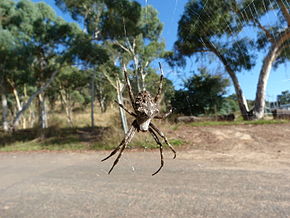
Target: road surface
[[72, 184]]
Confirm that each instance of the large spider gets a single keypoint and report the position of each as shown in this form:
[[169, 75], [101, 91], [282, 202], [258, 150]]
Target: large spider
[[145, 109]]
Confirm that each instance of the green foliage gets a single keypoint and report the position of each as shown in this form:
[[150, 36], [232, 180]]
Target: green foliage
[[284, 97], [202, 94], [199, 32], [152, 84], [261, 8], [120, 19], [229, 105]]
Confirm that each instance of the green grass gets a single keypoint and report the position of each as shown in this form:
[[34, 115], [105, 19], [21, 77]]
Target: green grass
[[38, 146], [72, 139], [61, 137], [239, 122]]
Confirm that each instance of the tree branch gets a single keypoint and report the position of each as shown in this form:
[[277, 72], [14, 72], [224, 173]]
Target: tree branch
[[116, 42], [268, 34], [109, 79], [241, 98], [284, 11], [32, 97]]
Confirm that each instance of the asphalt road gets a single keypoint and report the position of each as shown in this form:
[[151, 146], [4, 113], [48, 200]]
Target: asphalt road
[[77, 185]]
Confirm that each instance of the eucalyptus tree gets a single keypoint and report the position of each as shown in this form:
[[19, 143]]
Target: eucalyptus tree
[[48, 38], [215, 27], [132, 31], [114, 75], [141, 43], [8, 54], [96, 25], [68, 87], [88, 13], [48, 42], [203, 28], [274, 38]]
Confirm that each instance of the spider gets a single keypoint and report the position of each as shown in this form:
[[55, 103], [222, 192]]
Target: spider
[[145, 109]]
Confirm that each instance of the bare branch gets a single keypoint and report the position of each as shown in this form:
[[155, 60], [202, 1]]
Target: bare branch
[[116, 42], [32, 97], [110, 80], [129, 87], [157, 97]]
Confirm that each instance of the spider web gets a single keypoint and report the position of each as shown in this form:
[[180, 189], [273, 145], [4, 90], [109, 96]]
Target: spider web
[[270, 19]]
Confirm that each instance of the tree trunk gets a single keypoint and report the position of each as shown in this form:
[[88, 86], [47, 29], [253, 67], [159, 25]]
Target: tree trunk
[[66, 104], [4, 109], [143, 75], [273, 53], [101, 98], [30, 100], [42, 112], [121, 101], [18, 104], [136, 66], [93, 100], [243, 105]]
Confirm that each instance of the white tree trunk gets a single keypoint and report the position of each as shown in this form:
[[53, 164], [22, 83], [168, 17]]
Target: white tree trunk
[[4, 111], [121, 101], [66, 103], [243, 105], [273, 53], [30, 100], [136, 69], [19, 107], [93, 78], [43, 118]]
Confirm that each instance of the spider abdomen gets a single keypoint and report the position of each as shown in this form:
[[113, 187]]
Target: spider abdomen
[[146, 109]]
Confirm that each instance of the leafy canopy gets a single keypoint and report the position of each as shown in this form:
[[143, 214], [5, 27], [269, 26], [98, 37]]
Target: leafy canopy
[[202, 94]]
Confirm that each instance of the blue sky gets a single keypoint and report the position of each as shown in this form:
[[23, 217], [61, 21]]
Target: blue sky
[[170, 12]]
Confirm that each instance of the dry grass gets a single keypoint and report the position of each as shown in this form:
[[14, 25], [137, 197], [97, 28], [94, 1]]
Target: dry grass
[[62, 136]]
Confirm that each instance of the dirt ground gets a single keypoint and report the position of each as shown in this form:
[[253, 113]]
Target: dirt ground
[[224, 171], [267, 144]]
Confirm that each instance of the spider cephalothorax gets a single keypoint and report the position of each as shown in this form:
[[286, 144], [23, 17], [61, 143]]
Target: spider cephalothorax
[[145, 109]]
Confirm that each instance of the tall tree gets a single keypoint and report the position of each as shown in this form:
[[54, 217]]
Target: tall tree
[[142, 44], [47, 43], [48, 38], [216, 27], [203, 28], [89, 13], [124, 26], [274, 38]]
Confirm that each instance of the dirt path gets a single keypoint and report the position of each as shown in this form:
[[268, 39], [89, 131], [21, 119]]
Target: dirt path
[[198, 183]]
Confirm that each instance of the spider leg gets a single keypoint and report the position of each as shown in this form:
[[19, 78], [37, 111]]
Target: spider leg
[[122, 145], [157, 97], [125, 109], [114, 151], [129, 87], [164, 137], [161, 117], [160, 147]]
